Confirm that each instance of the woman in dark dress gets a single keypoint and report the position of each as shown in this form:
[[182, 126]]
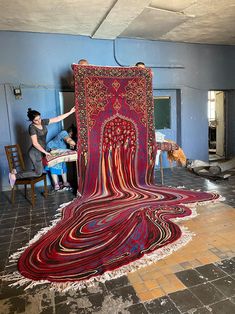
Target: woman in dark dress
[[38, 133]]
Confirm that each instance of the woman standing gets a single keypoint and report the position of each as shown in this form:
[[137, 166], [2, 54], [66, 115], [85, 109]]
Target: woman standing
[[38, 133]]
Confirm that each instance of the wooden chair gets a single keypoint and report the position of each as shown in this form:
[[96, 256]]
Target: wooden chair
[[23, 177]]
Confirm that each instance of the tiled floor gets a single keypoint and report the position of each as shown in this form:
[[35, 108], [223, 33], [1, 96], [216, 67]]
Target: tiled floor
[[198, 278]]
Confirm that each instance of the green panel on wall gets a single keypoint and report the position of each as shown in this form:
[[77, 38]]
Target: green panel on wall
[[162, 112]]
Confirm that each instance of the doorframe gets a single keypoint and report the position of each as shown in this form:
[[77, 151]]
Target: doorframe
[[174, 132], [173, 94], [226, 107]]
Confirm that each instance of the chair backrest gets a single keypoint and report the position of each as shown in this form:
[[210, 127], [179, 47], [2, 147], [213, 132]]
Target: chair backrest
[[14, 157]]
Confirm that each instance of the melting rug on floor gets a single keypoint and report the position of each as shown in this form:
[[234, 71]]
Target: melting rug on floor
[[121, 221]]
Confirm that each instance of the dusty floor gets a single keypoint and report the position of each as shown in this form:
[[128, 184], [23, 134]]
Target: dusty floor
[[198, 278]]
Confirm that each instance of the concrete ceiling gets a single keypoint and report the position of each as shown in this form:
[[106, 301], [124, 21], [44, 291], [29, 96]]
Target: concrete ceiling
[[193, 21]]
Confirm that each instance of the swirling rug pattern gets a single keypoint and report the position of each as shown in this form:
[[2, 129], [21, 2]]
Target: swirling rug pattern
[[120, 216]]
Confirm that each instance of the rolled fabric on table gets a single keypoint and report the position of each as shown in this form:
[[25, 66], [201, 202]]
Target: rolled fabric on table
[[60, 155]]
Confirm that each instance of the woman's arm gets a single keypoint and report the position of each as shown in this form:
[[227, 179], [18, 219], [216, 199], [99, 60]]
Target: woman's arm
[[37, 145], [62, 116]]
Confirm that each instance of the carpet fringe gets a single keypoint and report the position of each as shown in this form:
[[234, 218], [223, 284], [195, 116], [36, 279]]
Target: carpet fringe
[[15, 256], [144, 261], [203, 203]]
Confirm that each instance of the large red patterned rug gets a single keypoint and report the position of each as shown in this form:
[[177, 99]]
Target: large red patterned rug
[[121, 221]]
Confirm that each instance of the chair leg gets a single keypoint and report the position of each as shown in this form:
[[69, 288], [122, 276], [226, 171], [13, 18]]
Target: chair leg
[[32, 195], [45, 187], [13, 195]]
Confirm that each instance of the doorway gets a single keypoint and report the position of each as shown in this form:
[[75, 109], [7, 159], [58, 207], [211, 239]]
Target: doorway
[[165, 118], [216, 125], [66, 103]]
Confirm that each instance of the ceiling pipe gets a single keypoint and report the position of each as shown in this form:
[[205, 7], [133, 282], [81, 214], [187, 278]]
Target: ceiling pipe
[[153, 66]]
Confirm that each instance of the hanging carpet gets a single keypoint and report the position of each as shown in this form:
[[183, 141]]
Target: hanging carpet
[[121, 218]]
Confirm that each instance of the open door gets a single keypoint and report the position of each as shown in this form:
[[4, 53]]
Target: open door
[[165, 117], [66, 103], [220, 124], [216, 120]]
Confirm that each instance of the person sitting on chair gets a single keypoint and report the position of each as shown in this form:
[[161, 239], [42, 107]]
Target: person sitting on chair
[[61, 141]]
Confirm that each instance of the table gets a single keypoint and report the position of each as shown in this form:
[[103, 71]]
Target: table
[[165, 147], [71, 155]]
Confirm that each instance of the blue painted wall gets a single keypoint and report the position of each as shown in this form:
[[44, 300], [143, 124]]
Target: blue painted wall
[[193, 69], [40, 64]]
